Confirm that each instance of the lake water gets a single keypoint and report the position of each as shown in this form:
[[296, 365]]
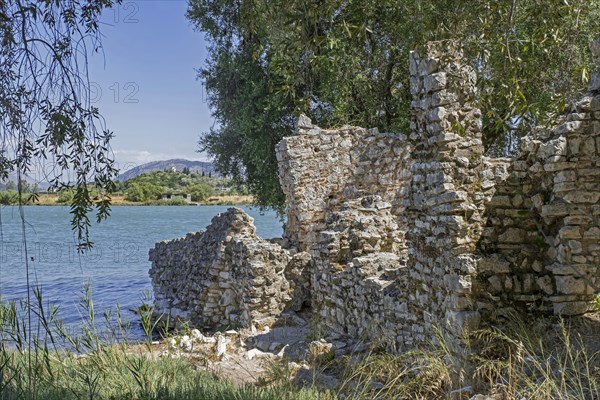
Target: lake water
[[116, 268]]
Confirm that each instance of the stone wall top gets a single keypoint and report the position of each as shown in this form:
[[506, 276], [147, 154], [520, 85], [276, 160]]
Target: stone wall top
[[319, 169]]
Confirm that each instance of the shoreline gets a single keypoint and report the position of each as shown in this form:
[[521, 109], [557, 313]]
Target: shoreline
[[228, 200]]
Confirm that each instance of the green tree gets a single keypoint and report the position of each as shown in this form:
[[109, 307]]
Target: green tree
[[200, 191], [136, 193], [45, 110], [141, 192], [65, 195], [346, 62], [9, 197]]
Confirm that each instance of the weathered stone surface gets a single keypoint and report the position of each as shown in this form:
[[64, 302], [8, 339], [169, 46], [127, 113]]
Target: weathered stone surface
[[462, 323], [571, 308], [225, 275], [388, 237]]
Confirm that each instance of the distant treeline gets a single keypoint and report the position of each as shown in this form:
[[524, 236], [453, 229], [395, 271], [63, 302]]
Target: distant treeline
[[145, 188], [151, 186]]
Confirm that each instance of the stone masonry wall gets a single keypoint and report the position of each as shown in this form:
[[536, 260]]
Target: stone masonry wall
[[321, 168], [390, 237], [542, 237], [224, 276], [357, 264], [476, 238], [541, 242], [364, 283], [448, 190]]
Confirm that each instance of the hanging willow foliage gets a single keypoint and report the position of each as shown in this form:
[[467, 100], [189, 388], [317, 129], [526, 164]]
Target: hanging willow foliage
[[47, 123]]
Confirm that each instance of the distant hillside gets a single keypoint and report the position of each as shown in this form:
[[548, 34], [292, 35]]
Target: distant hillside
[[178, 164], [31, 179]]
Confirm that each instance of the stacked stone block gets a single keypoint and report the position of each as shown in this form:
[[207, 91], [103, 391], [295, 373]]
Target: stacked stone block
[[390, 237], [320, 169], [224, 276], [541, 240]]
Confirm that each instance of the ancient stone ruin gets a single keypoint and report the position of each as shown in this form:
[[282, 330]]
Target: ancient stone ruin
[[225, 275], [390, 237]]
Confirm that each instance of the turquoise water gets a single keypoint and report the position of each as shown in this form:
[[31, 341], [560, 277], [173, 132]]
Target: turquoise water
[[117, 267]]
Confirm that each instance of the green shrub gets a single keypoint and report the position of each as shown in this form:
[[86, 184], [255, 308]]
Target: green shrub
[[66, 195], [141, 192], [200, 191], [9, 197]]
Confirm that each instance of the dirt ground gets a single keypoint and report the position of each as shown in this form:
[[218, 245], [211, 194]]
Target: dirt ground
[[252, 355]]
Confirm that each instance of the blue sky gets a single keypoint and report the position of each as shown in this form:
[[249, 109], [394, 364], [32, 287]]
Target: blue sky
[[145, 83]]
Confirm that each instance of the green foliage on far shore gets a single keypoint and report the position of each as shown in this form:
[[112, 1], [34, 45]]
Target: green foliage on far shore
[[11, 197], [9, 194], [146, 189], [151, 186]]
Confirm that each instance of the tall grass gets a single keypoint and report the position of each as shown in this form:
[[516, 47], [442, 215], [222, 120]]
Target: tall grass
[[548, 360], [519, 360], [538, 361], [98, 363]]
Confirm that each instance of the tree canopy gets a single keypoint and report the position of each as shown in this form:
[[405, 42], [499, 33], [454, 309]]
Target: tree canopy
[[150, 186], [346, 62], [46, 117]]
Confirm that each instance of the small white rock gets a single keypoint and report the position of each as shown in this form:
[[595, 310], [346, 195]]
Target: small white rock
[[256, 353], [197, 335], [209, 340], [282, 351], [221, 345]]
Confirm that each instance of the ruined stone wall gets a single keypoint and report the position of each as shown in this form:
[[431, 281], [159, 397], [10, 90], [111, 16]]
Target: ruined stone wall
[[224, 276], [541, 243], [393, 259], [447, 190], [475, 238], [357, 266], [319, 169], [548, 236], [390, 237], [542, 237]]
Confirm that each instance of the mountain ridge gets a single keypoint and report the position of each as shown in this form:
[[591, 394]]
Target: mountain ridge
[[177, 163]]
